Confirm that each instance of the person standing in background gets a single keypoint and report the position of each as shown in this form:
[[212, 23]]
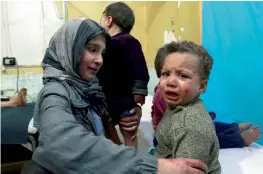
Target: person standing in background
[[124, 75]]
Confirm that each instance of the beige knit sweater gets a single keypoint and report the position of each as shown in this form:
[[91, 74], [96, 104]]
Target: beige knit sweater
[[189, 132]]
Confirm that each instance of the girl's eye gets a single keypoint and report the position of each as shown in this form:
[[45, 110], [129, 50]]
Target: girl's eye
[[92, 49]]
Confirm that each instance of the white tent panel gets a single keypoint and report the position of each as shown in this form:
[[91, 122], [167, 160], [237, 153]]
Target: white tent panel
[[27, 28]]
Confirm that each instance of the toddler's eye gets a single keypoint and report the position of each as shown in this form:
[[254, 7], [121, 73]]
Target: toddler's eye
[[183, 76], [164, 74]]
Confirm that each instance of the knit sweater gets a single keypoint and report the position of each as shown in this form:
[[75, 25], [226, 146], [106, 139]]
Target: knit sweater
[[188, 132]]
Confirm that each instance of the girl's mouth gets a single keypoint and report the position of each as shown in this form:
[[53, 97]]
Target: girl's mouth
[[93, 70]]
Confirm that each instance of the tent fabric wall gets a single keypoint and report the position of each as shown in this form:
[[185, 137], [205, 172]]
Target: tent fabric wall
[[26, 30], [233, 34], [160, 16], [94, 9]]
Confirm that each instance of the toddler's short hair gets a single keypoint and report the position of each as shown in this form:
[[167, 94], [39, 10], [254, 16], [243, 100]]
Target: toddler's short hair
[[122, 15], [205, 60]]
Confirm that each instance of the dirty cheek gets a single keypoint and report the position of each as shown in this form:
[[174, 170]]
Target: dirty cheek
[[186, 89]]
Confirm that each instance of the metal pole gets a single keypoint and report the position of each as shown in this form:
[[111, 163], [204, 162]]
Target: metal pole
[[65, 11]]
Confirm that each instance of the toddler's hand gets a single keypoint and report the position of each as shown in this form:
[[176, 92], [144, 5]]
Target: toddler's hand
[[139, 98]]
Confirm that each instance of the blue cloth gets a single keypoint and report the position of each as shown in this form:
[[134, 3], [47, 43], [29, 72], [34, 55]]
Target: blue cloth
[[98, 123], [232, 33], [14, 123], [228, 135]]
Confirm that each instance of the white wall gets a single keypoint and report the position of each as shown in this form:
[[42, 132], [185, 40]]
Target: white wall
[[27, 29]]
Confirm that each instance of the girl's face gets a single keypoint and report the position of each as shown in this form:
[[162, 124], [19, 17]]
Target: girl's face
[[180, 81], [91, 59]]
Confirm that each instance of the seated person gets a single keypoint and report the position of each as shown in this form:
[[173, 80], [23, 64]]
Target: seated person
[[17, 101], [232, 135], [15, 117], [186, 130]]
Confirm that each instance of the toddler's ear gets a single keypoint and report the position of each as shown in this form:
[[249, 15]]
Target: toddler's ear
[[203, 86]]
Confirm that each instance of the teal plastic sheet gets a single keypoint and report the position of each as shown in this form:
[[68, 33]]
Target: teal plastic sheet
[[233, 34]]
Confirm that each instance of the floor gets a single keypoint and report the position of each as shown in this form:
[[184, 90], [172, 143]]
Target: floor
[[13, 158]]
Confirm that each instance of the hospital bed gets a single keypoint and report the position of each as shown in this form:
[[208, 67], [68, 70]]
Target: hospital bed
[[15, 122], [15, 136], [248, 160]]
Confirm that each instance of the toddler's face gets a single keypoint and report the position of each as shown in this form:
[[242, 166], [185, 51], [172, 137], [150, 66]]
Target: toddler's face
[[180, 81], [105, 21]]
